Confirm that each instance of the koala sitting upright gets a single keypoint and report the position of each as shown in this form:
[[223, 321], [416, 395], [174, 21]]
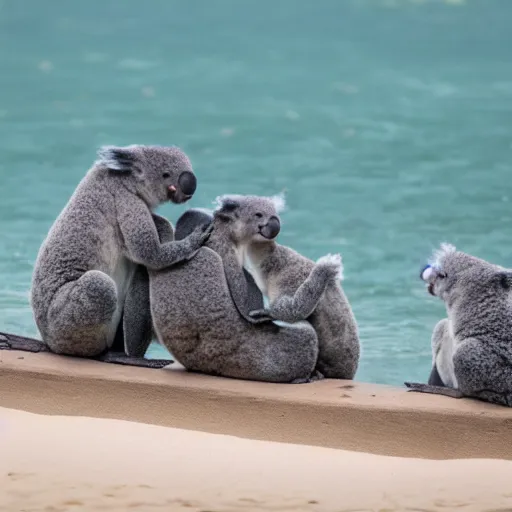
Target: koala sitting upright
[[296, 287], [472, 348], [200, 310], [106, 235]]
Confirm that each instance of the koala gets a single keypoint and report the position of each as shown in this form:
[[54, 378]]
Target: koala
[[297, 288], [90, 287], [196, 217], [195, 313], [472, 347]]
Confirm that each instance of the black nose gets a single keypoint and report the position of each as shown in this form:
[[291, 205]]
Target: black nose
[[271, 228], [187, 183]]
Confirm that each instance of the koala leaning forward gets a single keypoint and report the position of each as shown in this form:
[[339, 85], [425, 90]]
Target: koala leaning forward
[[472, 348], [297, 288], [106, 235]]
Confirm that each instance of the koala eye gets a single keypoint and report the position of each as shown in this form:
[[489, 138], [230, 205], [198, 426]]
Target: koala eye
[[441, 275], [166, 174], [258, 215]]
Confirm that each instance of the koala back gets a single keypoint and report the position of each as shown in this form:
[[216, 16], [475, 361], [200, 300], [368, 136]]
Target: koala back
[[192, 310], [84, 236], [477, 295]]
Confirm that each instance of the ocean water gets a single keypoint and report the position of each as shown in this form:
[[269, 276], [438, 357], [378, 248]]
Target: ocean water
[[387, 123]]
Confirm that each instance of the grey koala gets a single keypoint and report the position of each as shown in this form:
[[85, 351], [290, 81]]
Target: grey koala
[[90, 289], [297, 288], [472, 347], [197, 217], [200, 313]]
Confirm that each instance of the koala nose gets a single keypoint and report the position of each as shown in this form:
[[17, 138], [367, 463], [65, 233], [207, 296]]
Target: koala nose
[[187, 183], [271, 229], [426, 272]]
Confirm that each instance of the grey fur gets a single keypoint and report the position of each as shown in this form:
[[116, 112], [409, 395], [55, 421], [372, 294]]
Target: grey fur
[[85, 267], [137, 326], [196, 217], [297, 288], [196, 319], [472, 348]]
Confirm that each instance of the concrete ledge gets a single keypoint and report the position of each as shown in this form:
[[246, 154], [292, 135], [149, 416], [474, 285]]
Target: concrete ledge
[[337, 414]]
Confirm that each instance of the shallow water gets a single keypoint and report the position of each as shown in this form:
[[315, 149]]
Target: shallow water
[[387, 122]]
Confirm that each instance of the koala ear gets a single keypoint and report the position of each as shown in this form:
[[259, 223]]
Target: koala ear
[[119, 159], [225, 206], [444, 251], [229, 205], [504, 278], [279, 202]]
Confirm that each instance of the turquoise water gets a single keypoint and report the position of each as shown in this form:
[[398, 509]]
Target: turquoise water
[[387, 122]]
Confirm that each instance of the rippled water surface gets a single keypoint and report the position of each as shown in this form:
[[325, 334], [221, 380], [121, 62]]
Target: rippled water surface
[[387, 122]]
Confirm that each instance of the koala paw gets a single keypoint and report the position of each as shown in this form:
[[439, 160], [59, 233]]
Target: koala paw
[[258, 312], [199, 237], [332, 265], [261, 315]]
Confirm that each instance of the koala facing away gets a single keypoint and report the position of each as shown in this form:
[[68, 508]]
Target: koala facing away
[[200, 313], [472, 347], [106, 234], [296, 287]]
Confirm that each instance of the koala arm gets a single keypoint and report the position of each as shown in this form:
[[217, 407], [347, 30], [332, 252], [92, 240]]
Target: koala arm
[[301, 305], [164, 229], [137, 326], [254, 295], [243, 289], [142, 242]]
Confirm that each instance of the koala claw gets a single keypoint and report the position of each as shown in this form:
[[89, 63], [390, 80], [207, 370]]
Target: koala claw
[[435, 390], [200, 236], [13, 342], [207, 231], [122, 358]]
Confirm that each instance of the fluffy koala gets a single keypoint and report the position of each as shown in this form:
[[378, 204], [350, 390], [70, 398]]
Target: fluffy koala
[[195, 314], [197, 217], [105, 236], [472, 347], [296, 287]]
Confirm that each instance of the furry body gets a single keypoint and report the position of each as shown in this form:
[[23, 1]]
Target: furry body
[[300, 289], [297, 288], [106, 235], [472, 347], [196, 317]]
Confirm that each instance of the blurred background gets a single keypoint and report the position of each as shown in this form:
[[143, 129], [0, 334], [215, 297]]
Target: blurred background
[[387, 123]]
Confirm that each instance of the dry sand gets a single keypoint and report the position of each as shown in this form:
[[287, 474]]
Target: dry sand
[[57, 463], [351, 416]]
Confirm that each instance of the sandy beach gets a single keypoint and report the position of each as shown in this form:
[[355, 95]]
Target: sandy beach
[[75, 463], [83, 435]]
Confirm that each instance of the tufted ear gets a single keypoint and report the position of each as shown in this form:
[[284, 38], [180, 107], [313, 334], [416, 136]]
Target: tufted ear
[[440, 254], [116, 158], [504, 278], [279, 202], [225, 206]]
